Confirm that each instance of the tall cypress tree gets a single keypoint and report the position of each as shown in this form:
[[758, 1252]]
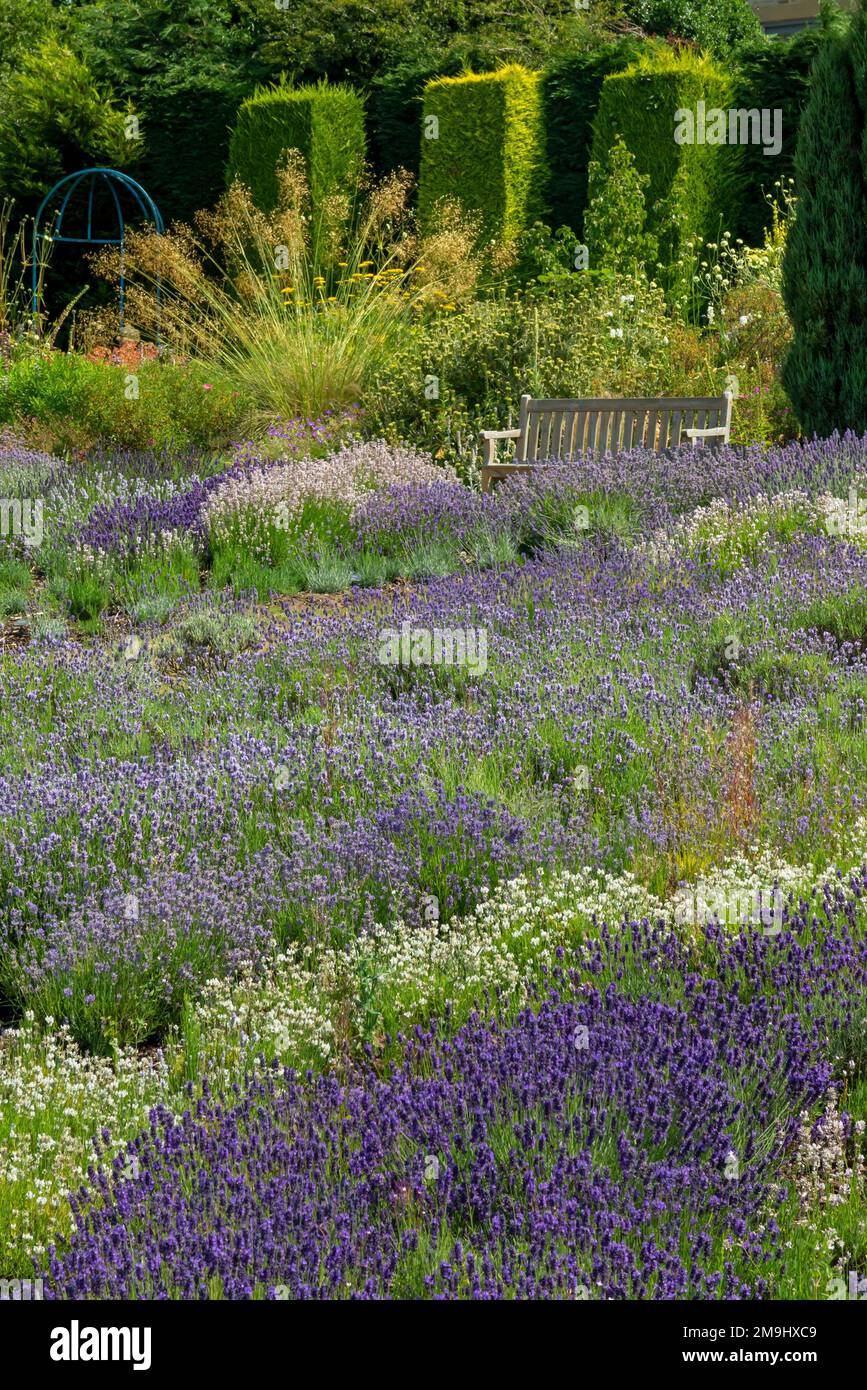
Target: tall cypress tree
[[859, 68], [825, 267]]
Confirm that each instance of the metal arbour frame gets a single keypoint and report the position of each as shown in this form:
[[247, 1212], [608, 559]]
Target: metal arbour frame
[[111, 178]]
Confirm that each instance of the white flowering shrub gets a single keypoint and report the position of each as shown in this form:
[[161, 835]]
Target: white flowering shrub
[[728, 535], [54, 1099], [245, 510], [232, 1025]]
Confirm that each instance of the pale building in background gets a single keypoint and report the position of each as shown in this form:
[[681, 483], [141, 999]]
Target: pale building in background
[[785, 17]]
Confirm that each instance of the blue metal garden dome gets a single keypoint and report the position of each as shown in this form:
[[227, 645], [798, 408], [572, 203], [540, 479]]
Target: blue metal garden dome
[[117, 184]]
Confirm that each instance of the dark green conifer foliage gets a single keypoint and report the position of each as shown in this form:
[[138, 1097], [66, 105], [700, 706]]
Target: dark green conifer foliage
[[825, 268]]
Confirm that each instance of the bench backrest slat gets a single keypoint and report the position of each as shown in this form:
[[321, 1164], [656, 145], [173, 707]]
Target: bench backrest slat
[[556, 437], [657, 429], [640, 424], [675, 428], [567, 428], [616, 431]]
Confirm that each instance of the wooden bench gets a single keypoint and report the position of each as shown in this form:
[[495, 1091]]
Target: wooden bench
[[567, 429]]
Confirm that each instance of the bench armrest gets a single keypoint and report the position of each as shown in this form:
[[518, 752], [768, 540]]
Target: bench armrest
[[697, 437], [489, 438]]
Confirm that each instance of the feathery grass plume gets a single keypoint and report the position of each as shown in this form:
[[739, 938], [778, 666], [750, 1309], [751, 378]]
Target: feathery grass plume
[[293, 329]]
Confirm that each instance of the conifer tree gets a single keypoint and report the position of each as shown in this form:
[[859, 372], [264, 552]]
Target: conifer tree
[[825, 266]]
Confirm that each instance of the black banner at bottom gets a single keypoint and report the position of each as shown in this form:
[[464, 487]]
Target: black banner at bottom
[[82, 1340]]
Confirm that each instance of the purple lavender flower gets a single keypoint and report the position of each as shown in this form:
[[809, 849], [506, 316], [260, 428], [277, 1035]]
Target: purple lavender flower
[[583, 1149]]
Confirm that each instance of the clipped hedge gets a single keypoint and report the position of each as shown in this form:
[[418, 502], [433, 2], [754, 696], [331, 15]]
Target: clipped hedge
[[324, 121], [571, 89], [772, 76], [694, 189], [489, 150], [187, 145], [394, 112]]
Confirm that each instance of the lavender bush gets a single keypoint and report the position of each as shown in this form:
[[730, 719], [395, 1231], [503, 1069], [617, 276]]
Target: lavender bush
[[605, 1144]]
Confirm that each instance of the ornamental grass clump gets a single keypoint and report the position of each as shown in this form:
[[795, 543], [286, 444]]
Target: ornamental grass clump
[[254, 296]]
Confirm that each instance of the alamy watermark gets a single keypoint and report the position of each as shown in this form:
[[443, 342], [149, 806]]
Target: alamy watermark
[[855, 1288], [730, 906], [21, 1290], [434, 646], [713, 126], [21, 518], [847, 517], [77, 1343]]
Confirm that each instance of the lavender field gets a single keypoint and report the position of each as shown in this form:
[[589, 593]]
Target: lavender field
[[336, 963], [425, 879]]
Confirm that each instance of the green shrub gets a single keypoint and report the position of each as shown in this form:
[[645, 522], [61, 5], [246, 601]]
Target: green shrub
[[152, 585], [571, 88], [772, 77], [323, 571], [324, 122], [87, 591], [13, 601], [75, 403], [16, 583], [825, 265], [14, 574], [46, 388], [488, 153], [718, 26], [225, 633], [244, 574], [54, 119], [545, 258], [616, 221], [692, 192]]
